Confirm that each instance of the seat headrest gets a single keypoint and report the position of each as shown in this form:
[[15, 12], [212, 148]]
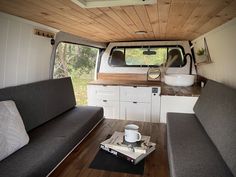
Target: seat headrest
[[179, 60], [117, 58]]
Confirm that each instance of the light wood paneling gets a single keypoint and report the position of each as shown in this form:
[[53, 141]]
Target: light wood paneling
[[165, 20], [122, 76]]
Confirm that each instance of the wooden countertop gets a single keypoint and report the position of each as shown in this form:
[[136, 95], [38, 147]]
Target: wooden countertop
[[126, 83], [194, 90]]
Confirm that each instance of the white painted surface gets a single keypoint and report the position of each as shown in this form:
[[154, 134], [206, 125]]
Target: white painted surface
[[178, 104], [106, 68], [135, 111], [129, 103], [100, 92], [221, 43], [24, 57], [135, 94], [111, 108], [107, 97], [156, 105]]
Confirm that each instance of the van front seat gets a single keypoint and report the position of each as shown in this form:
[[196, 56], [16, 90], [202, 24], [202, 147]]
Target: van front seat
[[117, 58]]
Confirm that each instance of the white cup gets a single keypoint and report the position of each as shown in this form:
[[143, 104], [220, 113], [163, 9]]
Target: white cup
[[131, 133]]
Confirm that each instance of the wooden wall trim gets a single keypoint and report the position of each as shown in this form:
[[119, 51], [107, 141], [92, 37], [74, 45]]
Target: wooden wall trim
[[122, 76]]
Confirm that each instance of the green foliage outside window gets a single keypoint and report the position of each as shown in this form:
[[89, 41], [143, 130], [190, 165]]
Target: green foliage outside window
[[135, 56], [146, 56], [77, 62]]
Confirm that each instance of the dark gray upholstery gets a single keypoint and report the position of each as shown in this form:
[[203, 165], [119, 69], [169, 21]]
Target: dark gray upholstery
[[216, 110], [41, 101], [50, 143], [191, 152], [56, 126]]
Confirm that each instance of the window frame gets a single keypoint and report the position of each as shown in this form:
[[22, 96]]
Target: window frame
[[153, 46]]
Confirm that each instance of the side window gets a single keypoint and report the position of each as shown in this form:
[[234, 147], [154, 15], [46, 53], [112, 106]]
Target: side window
[[78, 62]]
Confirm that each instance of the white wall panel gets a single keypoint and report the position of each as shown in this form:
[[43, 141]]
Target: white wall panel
[[221, 43], [12, 50], [24, 57], [3, 43]]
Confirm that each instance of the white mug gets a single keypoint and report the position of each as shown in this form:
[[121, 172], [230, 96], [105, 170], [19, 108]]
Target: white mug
[[131, 133]]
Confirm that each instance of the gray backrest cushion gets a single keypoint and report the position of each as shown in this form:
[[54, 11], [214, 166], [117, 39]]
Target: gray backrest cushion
[[41, 101], [216, 110]]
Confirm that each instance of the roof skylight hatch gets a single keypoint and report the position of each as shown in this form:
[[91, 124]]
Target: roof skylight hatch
[[111, 3]]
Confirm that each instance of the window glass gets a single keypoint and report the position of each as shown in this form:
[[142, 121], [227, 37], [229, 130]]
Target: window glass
[[78, 62], [148, 56], [145, 56]]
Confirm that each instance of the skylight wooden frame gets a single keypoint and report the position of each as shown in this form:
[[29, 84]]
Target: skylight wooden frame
[[111, 3]]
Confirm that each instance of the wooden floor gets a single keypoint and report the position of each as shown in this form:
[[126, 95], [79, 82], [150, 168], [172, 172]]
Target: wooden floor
[[76, 164]]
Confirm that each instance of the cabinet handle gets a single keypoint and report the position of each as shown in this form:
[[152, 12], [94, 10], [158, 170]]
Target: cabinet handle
[[135, 102], [104, 100]]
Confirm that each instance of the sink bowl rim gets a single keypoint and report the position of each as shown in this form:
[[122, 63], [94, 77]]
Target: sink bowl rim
[[181, 80]]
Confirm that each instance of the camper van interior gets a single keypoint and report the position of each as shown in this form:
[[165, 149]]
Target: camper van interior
[[117, 88]]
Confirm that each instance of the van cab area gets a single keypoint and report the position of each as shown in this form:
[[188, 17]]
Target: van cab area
[[117, 88]]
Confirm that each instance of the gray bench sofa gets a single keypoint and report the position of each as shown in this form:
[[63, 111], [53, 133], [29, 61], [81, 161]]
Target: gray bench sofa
[[204, 144], [54, 124]]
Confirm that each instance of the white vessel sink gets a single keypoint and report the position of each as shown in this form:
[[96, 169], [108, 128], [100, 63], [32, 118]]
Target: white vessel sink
[[184, 80]]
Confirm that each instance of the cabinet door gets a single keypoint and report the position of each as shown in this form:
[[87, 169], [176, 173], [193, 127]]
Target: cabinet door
[[111, 108], [179, 104], [137, 94], [135, 111]]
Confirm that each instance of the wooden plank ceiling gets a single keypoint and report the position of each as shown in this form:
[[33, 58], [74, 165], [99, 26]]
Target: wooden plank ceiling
[[166, 20]]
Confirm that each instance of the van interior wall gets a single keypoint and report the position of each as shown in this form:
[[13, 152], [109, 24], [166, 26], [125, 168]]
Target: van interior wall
[[24, 57], [221, 44]]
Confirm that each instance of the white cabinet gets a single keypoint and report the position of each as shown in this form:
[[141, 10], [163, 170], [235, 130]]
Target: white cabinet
[[106, 97], [126, 102], [111, 108], [135, 103], [100, 92], [178, 104], [135, 111], [135, 94]]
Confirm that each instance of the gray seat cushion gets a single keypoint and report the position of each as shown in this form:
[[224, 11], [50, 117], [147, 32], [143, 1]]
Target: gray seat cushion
[[50, 143], [216, 110], [41, 101], [191, 152]]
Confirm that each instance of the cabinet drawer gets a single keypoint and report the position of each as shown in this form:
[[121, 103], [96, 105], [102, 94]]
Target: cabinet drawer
[[135, 94], [98, 92], [111, 108]]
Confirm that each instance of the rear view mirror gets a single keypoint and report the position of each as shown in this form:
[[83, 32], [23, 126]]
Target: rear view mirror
[[149, 52]]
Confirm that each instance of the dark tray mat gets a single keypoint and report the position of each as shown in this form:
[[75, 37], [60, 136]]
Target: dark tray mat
[[106, 161]]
